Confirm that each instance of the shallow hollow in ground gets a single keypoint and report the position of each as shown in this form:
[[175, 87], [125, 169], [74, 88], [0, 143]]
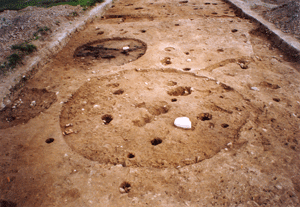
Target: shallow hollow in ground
[[141, 119], [25, 105], [116, 51]]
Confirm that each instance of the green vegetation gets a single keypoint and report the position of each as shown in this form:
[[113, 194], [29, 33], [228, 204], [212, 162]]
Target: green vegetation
[[74, 14], [45, 29], [13, 60], [20, 4], [16, 58], [42, 31], [22, 50], [25, 47]]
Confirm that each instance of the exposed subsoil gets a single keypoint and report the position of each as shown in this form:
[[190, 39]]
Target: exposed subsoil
[[94, 127]]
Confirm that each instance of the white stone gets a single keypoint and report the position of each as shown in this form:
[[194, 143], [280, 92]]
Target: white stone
[[183, 122], [122, 190], [254, 89], [33, 103], [126, 48]]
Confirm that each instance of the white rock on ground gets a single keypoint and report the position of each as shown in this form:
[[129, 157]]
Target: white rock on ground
[[183, 122]]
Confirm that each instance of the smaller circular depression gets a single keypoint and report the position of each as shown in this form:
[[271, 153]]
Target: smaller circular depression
[[115, 51]]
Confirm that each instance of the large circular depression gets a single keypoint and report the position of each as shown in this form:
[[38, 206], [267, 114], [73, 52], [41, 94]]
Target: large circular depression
[[128, 118], [117, 51]]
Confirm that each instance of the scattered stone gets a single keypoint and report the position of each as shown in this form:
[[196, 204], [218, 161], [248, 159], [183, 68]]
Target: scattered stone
[[68, 131], [33, 103], [125, 187], [122, 190], [254, 89], [69, 125], [243, 65], [183, 122]]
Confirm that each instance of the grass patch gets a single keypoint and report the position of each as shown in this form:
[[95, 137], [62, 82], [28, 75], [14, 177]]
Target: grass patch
[[24, 47], [42, 31], [13, 60], [16, 58], [21, 4]]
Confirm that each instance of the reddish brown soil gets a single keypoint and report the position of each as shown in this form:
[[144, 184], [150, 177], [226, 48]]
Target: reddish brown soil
[[106, 137]]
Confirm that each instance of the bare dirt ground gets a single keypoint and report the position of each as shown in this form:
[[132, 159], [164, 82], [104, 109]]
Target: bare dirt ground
[[94, 127]]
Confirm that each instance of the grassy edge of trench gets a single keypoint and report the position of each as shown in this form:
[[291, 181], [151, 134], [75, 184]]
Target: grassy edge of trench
[[20, 51], [24, 49], [21, 4]]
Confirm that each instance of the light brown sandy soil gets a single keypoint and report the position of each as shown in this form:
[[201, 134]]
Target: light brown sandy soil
[[94, 127]]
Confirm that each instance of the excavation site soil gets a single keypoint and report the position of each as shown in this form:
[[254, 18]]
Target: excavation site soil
[[95, 125]]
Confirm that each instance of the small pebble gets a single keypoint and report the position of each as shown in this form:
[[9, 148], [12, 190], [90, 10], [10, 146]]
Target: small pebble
[[69, 125], [122, 190], [254, 89], [33, 103], [67, 132]]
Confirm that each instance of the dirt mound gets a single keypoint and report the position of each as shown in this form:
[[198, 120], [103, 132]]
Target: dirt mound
[[286, 17]]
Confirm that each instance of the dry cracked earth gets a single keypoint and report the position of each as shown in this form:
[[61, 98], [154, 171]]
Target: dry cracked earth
[[94, 127]]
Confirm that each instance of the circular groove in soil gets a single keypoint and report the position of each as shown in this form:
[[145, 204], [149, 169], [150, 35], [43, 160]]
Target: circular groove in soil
[[112, 126], [115, 51]]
